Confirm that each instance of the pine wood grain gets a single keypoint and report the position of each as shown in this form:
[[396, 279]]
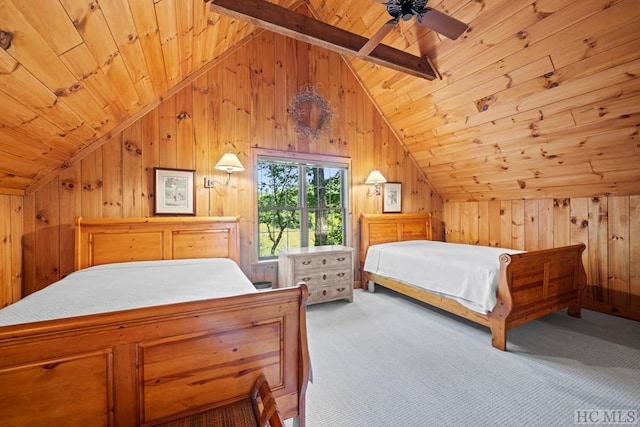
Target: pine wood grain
[[132, 147], [79, 68], [609, 257], [168, 32], [618, 288], [6, 292], [167, 131], [148, 33], [122, 27], [91, 184], [47, 240], [634, 253], [193, 128], [17, 228], [580, 227], [112, 188], [70, 194], [561, 122], [150, 158]]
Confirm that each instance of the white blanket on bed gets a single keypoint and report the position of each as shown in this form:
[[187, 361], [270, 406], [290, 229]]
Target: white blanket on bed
[[466, 273], [114, 287]]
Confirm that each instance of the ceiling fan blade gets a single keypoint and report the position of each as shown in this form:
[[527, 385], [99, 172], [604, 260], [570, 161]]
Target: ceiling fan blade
[[442, 23], [376, 38]]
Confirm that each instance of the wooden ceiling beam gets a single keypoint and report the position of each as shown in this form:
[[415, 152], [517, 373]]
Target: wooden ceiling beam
[[283, 21]]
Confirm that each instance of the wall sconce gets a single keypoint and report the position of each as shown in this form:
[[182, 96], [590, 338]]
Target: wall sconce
[[228, 163], [375, 178]]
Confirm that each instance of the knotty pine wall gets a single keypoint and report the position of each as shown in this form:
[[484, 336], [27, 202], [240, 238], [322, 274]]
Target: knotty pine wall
[[609, 226], [11, 232], [239, 105]]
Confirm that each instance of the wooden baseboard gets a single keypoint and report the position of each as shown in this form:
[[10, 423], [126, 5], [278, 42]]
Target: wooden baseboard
[[611, 309]]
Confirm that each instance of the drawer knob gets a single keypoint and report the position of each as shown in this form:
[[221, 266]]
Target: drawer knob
[[324, 260], [306, 262], [324, 277], [324, 292], [341, 289], [306, 279], [341, 258], [341, 274]]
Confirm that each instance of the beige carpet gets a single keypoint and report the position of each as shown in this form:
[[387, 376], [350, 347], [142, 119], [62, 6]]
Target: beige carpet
[[387, 361]]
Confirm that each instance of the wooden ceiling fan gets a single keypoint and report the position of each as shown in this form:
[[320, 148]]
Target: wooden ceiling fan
[[407, 9]]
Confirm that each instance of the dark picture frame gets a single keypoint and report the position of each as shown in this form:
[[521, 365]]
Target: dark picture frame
[[392, 197], [174, 191]]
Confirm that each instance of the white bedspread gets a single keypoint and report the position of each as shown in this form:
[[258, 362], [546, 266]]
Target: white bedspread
[[466, 273], [114, 287]]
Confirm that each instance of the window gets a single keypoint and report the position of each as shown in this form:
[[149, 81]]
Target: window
[[300, 204]]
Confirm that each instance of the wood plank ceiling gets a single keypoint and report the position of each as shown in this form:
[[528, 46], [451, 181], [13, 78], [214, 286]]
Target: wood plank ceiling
[[538, 99]]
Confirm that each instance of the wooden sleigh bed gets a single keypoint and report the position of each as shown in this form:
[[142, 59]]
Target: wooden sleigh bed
[[152, 365], [530, 284]]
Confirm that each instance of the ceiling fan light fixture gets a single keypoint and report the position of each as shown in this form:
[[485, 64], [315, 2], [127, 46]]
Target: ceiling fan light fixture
[[405, 9], [427, 16]]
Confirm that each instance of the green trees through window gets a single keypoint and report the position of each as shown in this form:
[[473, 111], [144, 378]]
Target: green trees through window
[[299, 205]]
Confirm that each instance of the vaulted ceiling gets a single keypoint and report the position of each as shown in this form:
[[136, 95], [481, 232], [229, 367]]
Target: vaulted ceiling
[[537, 99]]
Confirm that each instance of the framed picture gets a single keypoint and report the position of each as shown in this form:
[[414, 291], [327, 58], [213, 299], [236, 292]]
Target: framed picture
[[392, 197], [175, 192]]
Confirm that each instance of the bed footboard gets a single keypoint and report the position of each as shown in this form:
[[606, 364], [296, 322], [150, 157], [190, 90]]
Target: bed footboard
[[534, 284], [152, 365]]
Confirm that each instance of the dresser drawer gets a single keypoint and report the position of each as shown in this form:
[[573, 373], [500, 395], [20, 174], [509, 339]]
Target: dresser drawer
[[322, 278], [329, 293], [326, 270], [319, 263]]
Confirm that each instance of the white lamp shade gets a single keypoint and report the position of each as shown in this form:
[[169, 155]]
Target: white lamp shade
[[375, 177], [229, 163]]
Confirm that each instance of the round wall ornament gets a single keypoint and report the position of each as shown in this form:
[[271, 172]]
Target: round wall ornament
[[311, 112]]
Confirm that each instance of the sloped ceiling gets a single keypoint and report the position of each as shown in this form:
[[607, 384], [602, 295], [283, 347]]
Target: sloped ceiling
[[538, 99]]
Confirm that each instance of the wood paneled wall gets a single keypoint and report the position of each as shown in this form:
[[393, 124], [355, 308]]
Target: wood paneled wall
[[242, 104], [239, 105], [609, 226], [11, 232]]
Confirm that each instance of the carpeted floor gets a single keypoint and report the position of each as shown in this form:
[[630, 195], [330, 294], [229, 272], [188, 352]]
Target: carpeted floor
[[385, 360]]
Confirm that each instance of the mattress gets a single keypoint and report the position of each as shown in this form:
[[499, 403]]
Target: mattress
[[121, 286], [466, 273]]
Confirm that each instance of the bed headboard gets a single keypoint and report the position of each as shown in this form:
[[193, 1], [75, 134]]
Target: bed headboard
[[103, 241], [383, 228]]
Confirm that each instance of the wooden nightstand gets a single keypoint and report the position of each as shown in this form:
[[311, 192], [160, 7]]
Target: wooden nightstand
[[327, 271]]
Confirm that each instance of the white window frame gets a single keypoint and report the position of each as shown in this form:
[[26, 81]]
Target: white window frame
[[315, 159]]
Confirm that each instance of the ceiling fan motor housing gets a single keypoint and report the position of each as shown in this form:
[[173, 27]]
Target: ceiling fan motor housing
[[405, 9], [431, 18]]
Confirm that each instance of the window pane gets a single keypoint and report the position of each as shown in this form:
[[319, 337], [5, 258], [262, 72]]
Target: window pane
[[314, 185], [277, 185], [324, 187], [326, 227], [333, 188], [282, 207], [279, 229]]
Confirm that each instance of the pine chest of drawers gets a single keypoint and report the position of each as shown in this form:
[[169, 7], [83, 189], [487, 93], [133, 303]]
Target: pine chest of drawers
[[327, 271]]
